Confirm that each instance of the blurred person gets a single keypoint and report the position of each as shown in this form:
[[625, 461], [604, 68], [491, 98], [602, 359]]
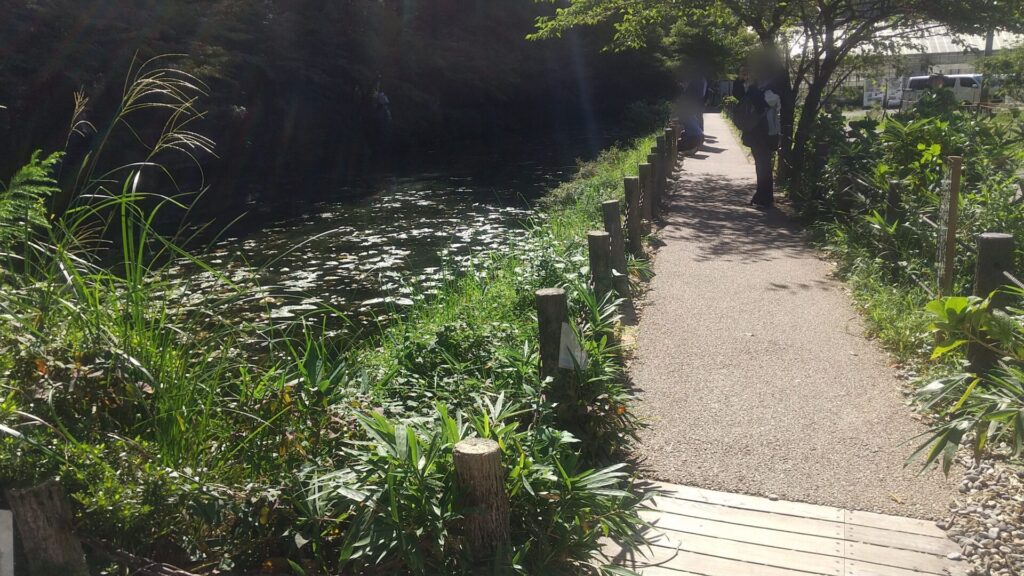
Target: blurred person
[[739, 85], [696, 94], [758, 116], [937, 100]]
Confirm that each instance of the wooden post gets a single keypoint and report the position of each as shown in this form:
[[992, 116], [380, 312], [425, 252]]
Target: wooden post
[[949, 221], [893, 201], [654, 159], [646, 172], [613, 226], [634, 219], [6, 543], [995, 255], [892, 215], [663, 167], [552, 312], [670, 143], [43, 517], [482, 497], [599, 247]]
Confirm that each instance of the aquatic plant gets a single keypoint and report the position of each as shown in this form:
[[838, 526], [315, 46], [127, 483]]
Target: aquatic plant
[[193, 438]]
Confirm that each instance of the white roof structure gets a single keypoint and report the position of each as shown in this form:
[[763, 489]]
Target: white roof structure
[[935, 40], [942, 42]]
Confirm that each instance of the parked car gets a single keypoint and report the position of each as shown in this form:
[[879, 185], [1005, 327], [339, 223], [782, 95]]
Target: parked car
[[966, 87]]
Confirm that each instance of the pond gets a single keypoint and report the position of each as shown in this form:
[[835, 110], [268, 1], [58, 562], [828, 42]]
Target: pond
[[369, 259]]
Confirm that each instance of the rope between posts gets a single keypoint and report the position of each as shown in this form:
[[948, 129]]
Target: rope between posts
[[959, 242], [1013, 279], [913, 276]]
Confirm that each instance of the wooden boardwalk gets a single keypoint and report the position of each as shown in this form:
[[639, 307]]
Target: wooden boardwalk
[[708, 533]]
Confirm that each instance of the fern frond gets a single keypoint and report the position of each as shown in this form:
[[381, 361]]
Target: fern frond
[[23, 200]]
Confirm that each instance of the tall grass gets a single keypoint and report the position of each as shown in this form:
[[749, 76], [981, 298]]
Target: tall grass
[[181, 441]]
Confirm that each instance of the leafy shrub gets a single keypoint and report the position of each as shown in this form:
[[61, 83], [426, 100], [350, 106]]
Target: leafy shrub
[[988, 408], [215, 444], [892, 263]]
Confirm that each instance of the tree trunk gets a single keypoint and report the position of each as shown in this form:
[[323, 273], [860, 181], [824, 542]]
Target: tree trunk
[[788, 114], [43, 519], [986, 84], [808, 115], [786, 135]]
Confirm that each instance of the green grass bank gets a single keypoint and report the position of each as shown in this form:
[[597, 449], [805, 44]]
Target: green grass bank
[[178, 443]]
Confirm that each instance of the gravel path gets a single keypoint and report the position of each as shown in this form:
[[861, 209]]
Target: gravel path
[[751, 364]]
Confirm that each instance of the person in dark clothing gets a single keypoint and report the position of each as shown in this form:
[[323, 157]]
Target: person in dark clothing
[[758, 116], [695, 95], [739, 85]]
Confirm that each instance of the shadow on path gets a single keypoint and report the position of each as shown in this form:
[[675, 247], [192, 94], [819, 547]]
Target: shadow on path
[[713, 213], [751, 366]]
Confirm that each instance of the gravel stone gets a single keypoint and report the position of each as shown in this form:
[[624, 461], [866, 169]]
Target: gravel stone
[[995, 515]]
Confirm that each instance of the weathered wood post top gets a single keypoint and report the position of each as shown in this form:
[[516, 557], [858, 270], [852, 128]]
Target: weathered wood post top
[[599, 248], [995, 256], [612, 215], [949, 222], [654, 159], [42, 515], [893, 202], [634, 218], [482, 497], [552, 312], [646, 180]]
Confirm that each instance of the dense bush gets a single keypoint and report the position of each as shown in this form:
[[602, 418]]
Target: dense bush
[[892, 264], [216, 444]]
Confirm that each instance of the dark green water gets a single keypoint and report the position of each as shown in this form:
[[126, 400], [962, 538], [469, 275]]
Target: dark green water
[[371, 258]]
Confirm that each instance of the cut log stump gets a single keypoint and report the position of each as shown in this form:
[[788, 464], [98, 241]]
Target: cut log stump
[[42, 516]]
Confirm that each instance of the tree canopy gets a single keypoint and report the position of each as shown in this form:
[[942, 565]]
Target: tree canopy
[[817, 37], [290, 82]]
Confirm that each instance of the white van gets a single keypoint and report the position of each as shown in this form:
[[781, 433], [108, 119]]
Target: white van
[[966, 87]]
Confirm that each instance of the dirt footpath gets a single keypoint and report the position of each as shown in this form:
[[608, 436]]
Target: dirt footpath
[[751, 364]]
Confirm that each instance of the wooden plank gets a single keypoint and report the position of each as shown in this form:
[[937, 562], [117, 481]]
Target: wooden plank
[[858, 568], [6, 543], [675, 529], [727, 531], [659, 571], [751, 517], [896, 523], [751, 502], [894, 557], [904, 540], [754, 553], [714, 533], [671, 561]]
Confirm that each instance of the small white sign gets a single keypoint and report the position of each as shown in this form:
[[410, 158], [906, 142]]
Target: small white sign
[[570, 353], [6, 543]]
